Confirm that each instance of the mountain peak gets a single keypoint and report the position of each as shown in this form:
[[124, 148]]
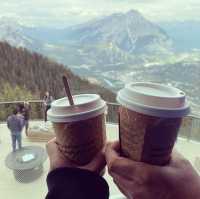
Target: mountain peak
[[130, 32], [132, 12]]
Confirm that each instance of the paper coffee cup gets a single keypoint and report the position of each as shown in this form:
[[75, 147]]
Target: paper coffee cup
[[80, 129], [149, 119]]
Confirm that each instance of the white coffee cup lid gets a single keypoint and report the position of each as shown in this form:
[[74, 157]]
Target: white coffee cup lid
[[154, 99], [86, 106]]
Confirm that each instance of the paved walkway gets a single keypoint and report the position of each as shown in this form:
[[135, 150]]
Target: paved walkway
[[10, 188]]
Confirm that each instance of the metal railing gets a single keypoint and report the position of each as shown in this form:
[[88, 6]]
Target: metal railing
[[190, 127], [36, 109]]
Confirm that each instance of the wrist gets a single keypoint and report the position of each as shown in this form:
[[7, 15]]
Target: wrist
[[195, 188], [190, 189]]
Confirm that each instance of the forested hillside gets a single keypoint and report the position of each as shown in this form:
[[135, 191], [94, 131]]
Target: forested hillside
[[37, 74]]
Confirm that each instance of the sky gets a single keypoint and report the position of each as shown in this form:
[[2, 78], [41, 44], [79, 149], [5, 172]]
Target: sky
[[69, 12]]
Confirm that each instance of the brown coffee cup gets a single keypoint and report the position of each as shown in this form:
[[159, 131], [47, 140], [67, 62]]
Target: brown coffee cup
[[150, 116], [80, 129]]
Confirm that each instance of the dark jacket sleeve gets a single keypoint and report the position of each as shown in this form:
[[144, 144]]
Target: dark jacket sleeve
[[73, 183]]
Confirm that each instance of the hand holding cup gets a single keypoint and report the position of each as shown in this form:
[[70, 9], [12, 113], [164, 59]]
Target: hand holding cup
[[138, 180], [58, 160]]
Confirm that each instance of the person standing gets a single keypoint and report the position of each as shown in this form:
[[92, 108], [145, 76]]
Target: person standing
[[24, 112], [26, 115], [15, 123], [47, 104]]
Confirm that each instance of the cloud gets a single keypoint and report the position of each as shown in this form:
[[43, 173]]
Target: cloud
[[68, 12]]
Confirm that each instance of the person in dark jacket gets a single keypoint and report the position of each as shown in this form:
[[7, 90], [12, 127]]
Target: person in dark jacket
[[47, 100], [24, 110], [136, 180], [26, 113], [15, 123]]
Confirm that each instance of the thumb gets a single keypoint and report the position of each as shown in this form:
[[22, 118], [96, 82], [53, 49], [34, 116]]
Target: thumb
[[97, 164]]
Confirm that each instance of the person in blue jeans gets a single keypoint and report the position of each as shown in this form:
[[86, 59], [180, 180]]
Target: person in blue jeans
[[15, 123]]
